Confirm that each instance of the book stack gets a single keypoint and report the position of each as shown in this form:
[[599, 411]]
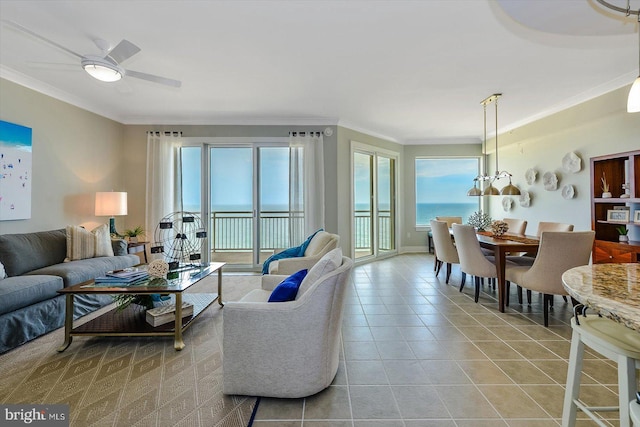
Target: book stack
[[123, 277], [167, 313]]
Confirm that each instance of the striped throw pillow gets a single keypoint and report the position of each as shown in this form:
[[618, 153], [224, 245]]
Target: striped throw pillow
[[82, 244]]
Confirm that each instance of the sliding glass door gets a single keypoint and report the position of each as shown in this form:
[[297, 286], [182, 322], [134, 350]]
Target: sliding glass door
[[374, 209]]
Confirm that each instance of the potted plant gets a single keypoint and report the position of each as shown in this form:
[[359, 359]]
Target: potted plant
[[623, 231], [133, 234], [606, 194]]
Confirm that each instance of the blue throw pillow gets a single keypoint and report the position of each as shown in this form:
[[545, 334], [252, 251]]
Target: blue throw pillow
[[288, 288]]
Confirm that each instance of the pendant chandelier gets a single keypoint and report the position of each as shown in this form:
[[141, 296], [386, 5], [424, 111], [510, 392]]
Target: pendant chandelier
[[490, 189], [633, 102]]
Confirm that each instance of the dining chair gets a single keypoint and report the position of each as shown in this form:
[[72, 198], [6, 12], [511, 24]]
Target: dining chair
[[472, 260], [445, 250], [557, 253], [450, 220], [528, 258], [516, 226]]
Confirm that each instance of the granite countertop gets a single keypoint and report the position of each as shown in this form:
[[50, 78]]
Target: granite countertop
[[613, 290]]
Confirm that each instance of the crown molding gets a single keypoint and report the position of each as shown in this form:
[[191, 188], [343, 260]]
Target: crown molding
[[351, 126], [232, 121], [46, 89]]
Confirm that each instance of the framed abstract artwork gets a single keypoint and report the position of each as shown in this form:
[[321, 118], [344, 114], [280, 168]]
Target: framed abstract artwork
[[15, 171]]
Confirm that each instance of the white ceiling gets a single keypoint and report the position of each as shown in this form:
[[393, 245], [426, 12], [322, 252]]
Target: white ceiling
[[411, 71]]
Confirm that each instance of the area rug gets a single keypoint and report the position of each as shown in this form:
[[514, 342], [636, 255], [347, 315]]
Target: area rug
[[133, 381]]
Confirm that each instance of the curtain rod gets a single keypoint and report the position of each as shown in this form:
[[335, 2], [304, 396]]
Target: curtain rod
[[172, 133], [317, 133]]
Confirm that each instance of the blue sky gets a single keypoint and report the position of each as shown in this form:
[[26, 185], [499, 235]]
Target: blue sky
[[232, 177], [444, 180], [15, 135]]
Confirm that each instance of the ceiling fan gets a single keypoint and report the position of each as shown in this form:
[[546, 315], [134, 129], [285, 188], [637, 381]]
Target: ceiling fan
[[104, 67]]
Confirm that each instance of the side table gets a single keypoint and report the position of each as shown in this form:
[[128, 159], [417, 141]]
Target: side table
[[136, 247]]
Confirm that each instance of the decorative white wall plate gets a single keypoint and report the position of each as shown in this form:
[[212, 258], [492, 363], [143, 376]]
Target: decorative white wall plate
[[530, 176], [525, 199], [550, 181], [506, 204], [571, 163], [568, 191]]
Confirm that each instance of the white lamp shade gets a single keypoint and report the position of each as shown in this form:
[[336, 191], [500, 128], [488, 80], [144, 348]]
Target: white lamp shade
[[111, 203], [633, 103]]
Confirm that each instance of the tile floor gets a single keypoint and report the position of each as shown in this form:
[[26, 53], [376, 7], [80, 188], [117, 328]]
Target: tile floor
[[417, 353]]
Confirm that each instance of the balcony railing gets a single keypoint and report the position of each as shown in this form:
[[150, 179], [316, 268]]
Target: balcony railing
[[233, 231], [363, 230]]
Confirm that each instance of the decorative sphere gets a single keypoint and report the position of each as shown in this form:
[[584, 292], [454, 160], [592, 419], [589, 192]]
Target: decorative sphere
[[158, 268]]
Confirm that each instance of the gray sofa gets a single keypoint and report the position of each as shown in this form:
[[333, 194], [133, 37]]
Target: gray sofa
[[30, 305]]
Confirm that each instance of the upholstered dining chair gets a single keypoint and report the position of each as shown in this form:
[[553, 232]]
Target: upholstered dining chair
[[557, 253], [528, 258], [445, 250], [516, 226], [450, 220], [472, 260]]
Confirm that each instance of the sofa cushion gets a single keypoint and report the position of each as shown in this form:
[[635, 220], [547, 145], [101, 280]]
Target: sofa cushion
[[21, 253], [82, 270], [288, 288], [318, 242], [82, 243], [329, 262], [20, 292]]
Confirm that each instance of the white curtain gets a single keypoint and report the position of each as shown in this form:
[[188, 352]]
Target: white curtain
[[306, 185], [164, 194]]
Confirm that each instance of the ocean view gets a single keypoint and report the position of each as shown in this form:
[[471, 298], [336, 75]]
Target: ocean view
[[425, 212]]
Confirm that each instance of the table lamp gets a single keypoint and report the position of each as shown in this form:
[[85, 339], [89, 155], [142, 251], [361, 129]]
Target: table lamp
[[111, 203]]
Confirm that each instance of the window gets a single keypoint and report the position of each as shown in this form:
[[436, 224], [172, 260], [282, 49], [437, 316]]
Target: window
[[441, 188]]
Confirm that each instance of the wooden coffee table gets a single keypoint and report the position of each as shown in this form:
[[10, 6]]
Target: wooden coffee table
[[131, 322]]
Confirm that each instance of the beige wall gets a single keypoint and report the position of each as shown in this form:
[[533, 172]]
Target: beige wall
[[600, 126], [75, 153]]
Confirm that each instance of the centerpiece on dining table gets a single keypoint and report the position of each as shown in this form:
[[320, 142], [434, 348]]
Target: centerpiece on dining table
[[480, 220], [498, 228]]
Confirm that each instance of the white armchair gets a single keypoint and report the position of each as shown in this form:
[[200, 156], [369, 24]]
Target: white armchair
[[287, 349], [319, 245]]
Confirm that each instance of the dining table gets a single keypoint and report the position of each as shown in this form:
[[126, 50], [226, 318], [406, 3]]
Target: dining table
[[501, 247], [611, 290]]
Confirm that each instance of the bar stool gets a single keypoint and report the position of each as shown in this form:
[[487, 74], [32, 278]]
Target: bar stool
[[614, 341], [634, 411]]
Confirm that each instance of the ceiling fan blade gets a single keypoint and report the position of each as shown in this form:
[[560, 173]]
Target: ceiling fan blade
[[25, 30], [123, 51], [53, 66], [152, 78]]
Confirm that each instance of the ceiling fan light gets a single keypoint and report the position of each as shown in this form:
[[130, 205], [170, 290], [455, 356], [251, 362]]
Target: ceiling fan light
[[101, 69], [633, 102]]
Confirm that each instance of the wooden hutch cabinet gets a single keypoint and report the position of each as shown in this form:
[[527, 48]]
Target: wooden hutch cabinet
[[618, 169]]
